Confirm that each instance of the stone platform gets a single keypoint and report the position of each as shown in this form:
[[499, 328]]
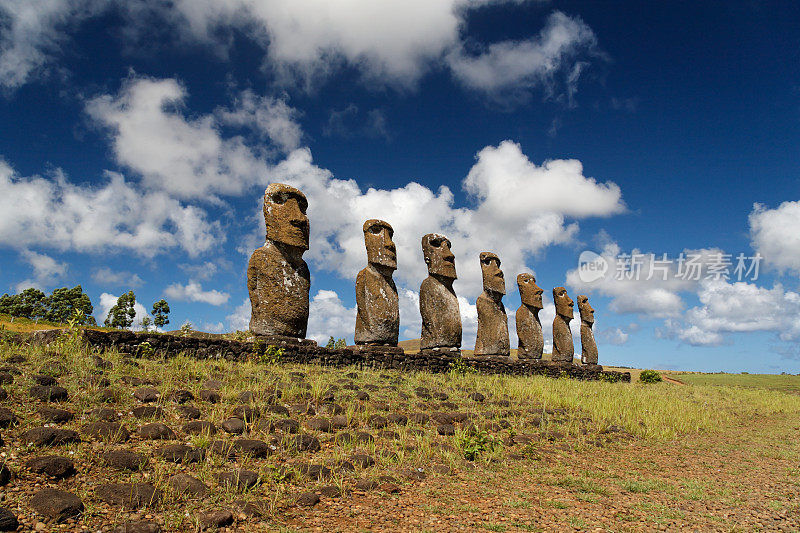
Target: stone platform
[[304, 351]]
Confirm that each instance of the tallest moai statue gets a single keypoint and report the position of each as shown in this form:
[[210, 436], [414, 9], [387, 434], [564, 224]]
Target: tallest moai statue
[[278, 279], [438, 304], [378, 316]]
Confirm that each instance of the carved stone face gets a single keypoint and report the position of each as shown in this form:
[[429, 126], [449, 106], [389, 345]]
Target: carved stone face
[[380, 248], [493, 279], [438, 257], [285, 215], [586, 311], [563, 302], [529, 292]]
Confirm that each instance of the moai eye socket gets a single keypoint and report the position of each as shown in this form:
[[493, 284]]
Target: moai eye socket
[[436, 243], [375, 229], [279, 198]]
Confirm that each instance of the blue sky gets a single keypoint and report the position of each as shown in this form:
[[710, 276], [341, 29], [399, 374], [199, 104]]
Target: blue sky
[[139, 137]]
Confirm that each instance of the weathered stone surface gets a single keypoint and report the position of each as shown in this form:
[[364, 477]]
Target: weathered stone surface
[[148, 411], [110, 431], [184, 483], [138, 526], [124, 459], [492, 338], [215, 519], [180, 453], [51, 465], [378, 316], [52, 414], [56, 504], [146, 394], [233, 425], [156, 431], [529, 327], [48, 393], [129, 495], [49, 436], [7, 417], [588, 344], [278, 280], [8, 521], [563, 348], [196, 427], [308, 499], [438, 304], [238, 479], [252, 447]]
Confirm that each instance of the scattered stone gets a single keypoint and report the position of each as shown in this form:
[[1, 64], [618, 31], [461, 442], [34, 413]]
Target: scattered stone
[[104, 413], [286, 425], [390, 488], [446, 429], [278, 410], [129, 495], [247, 413], [52, 465], [186, 484], [233, 425], [101, 363], [8, 521], [339, 422], [5, 475], [110, 431], [58, 416], [416, 474], [197, 427], [361, 395], [189, 412], [420, 418], [48, 393], [305, 443], [363, 460], [330, 491], [215, 519], [44, 380], [139, 526], [315, 471], [477, 396], [213, 384], [48, 436], [156, 431], [247, 396], [308, 499], [319, 424], [254, 448], [180, 453], [377, 422], [238, 479], [181, 396], [366, 485], [364, 437], [148, 411], [209, 395], [146, 394], [124, 459], [397, 418], [7, 417], [389, 435], [107, 396], [57, 505], [6, 378]]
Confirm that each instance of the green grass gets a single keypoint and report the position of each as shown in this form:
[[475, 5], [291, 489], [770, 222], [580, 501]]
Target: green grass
[[754, 381]]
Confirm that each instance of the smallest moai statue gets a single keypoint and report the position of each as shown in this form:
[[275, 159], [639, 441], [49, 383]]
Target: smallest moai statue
[[588, 344], [563, 349], [492, 338], [378, 317], [529, 328]]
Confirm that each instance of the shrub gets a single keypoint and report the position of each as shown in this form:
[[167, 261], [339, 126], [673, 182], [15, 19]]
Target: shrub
[[473, 444], [459, 366], [649, 376]]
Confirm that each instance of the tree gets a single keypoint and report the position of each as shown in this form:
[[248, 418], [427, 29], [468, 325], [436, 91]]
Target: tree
[[122, 314], [146, 323], [331, 342], [340, 343], [30, 303], [160, 313], [65, 303]]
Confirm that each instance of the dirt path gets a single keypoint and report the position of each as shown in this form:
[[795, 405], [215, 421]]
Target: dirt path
[[673, 380]]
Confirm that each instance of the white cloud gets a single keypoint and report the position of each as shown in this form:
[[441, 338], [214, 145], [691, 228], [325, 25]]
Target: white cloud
[[108, 300], [106, 276], [239, 320], [272, 118], [775, 234], [328, 316], [32, 31], [735, 308], [116, 215], [510, 69], [46, 270], [616, 336], [193, 292]]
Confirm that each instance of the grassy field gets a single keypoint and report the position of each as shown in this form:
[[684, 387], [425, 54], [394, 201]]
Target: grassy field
[[780, 382]]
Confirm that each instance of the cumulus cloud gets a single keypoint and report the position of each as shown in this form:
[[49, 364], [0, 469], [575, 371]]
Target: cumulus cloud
[[616, 336], [394, 42], [193, 292], [774, 234], [46, 270], [239, 320], [106, 276], [509, 69], [117, 215], [734, 308]]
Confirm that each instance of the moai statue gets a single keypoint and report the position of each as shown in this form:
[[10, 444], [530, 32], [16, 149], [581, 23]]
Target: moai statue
[[588, 345], [438, 304], [378, 318], [278, 279], [492, 336], [529, 328], [563, 349]]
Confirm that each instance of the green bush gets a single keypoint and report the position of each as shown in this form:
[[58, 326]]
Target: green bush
[[649, 376], [473, 444]]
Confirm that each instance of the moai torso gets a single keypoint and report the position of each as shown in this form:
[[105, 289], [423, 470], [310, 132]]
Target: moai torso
[[278, 280], [492, 338], [563, 348], [378, 317], [529, 328], [588, 344], [438, 304]]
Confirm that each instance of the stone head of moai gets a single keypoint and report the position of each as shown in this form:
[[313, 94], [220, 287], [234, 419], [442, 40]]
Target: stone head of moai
[[529, 292], [381, 250], [438, 257], [493, 279], [564, 303], [285, 214], [586, 311]]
